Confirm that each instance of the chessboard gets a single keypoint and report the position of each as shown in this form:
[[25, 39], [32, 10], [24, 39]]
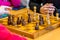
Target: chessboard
[[30, 24]]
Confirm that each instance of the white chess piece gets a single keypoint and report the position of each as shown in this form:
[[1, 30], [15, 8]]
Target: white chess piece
[[57, 16], [48, 18]]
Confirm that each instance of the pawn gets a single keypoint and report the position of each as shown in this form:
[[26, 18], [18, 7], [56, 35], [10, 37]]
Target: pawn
[[23, 22], [41, 21], [29, 18], [13, 18], [57, 16], [18, 21], [9, 20], [40, 17], [37, 26]]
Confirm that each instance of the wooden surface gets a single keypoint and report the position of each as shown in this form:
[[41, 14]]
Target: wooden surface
[[48, 36], [53, 35]]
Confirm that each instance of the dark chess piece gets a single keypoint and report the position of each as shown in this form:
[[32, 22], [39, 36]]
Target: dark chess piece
[[37, 26], [12, 20], [23, 21], [41, 20], [29, 18], [9, 20], [18, 21]]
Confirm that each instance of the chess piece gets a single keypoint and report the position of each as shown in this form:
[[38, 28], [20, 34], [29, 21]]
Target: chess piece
[[34, 10], [9, 20], [29, 18], [57, 16], [12, 20], [41, 21], [48, 19], [34, 15], [37, 26], [18, 21], [23, 21]]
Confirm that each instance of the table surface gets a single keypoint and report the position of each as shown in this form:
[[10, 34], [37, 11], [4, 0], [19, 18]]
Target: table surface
[[53, 35]]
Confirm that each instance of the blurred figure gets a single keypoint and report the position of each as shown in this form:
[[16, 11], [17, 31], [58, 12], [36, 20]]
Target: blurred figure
[[16, 4], [8, 4], [12, 3], [45, 6], [24, 3]]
